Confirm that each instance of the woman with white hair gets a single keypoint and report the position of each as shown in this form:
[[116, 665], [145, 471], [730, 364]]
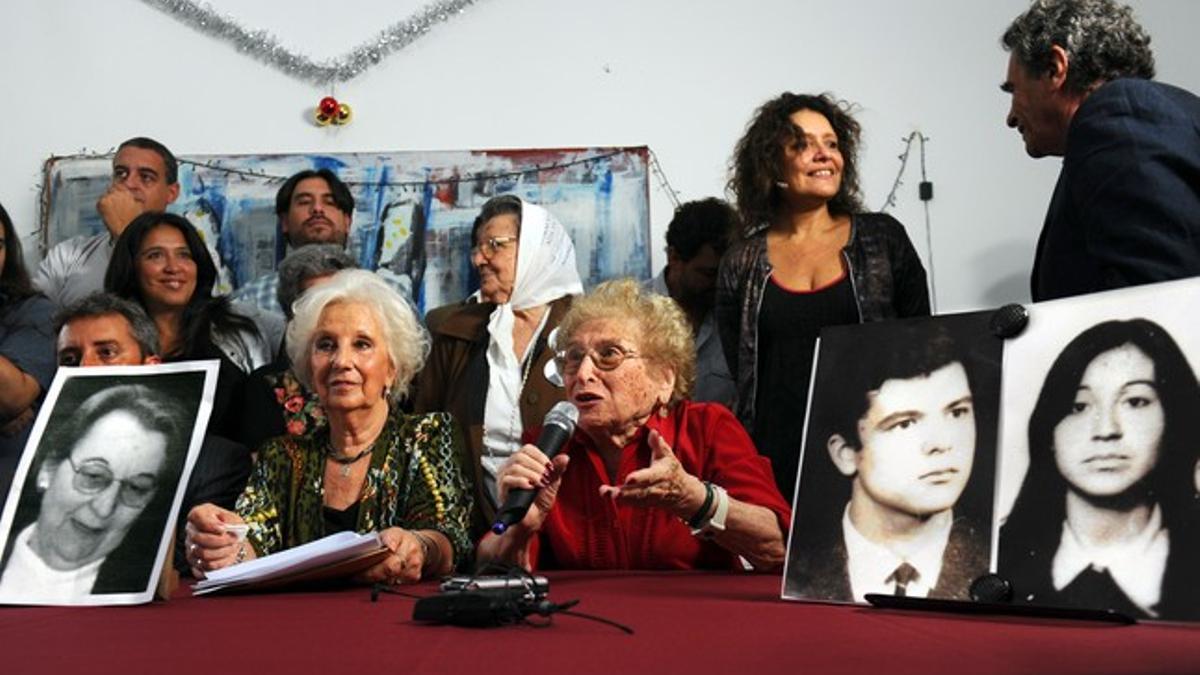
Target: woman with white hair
[[356, 343]]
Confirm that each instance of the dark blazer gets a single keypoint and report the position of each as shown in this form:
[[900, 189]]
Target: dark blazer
[[455, 379], [820, 569], [1126, 209], [1027, 565]]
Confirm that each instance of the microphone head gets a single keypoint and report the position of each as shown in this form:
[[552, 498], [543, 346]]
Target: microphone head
[[564, 415]]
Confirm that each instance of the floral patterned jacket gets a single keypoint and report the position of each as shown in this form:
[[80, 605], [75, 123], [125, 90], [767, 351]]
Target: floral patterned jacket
[[414, 482]]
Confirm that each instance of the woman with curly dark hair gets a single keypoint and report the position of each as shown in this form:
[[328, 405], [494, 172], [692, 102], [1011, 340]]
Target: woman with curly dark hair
[[810, 257]]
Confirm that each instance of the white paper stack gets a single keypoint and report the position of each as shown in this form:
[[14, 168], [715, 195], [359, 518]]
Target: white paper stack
[[340, 554]]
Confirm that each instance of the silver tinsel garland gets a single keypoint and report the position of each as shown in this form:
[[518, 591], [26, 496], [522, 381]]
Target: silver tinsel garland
[[265, 47]]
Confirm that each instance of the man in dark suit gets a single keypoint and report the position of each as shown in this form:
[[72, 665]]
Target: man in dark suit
[[1126, 209], [899, 423], [105, 330]]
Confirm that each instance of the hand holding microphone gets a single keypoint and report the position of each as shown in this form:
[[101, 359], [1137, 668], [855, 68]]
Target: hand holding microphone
[[531, 477]]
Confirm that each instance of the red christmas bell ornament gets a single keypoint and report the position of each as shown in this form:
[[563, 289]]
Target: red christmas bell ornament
[[328, 107]]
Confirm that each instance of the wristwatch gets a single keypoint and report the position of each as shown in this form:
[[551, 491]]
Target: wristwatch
[[715, 523]]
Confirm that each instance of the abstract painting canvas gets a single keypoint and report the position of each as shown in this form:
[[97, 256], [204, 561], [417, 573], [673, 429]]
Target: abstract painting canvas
[[413, 210]]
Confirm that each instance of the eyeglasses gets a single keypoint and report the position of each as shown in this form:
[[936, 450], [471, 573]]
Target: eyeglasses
[[490, 247], [605, 357], [94, 477]]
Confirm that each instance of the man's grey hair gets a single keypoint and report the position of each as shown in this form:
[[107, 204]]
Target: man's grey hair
[[1102, 40], [307, 262], [141, 327]]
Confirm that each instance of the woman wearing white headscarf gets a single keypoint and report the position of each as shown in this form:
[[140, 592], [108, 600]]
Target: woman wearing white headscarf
[[490, 364]]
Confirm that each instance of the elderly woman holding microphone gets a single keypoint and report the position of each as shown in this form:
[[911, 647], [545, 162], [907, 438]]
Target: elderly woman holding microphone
[[356, 343], [648, 480]]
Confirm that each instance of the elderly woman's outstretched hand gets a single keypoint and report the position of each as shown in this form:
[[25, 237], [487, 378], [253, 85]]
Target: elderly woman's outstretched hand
[[663, 485], [210, 545], [530, 469]]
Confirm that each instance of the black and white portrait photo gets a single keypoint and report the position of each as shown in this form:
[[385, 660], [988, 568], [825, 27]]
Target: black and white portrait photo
[[1098, 493], [896, 479], [91, 511]]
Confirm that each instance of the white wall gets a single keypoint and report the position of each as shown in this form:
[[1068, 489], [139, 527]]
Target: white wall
[[682, 76]]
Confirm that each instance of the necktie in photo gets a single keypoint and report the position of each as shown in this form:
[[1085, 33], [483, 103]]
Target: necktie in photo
[[903, 576]]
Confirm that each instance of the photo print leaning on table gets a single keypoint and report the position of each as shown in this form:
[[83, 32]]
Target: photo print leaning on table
[[91, 513], [896, 478], [1097, 494]]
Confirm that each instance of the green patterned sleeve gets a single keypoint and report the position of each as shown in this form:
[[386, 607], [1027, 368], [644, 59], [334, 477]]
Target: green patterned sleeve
[[440, 498], [263, 503]]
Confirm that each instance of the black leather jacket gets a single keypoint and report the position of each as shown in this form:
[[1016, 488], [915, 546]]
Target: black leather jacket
[[885, 272]]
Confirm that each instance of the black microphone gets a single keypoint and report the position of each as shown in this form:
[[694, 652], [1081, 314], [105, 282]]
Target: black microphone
[[556, 429]]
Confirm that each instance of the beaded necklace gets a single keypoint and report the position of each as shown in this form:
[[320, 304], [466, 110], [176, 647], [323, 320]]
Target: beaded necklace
[[345, 461]]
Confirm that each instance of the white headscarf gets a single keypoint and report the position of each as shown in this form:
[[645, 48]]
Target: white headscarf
[[546, 271]]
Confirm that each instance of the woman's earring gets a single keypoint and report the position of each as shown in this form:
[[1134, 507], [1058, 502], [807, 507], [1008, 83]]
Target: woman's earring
[[782, 184], [662, 409]]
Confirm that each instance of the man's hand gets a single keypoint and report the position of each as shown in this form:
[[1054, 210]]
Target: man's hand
[[118, 208]]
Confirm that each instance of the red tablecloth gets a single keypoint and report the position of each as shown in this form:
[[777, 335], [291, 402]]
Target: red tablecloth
[[684, 622]]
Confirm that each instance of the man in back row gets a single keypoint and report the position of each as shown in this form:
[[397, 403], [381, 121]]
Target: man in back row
[[1126, 209], [697, 237], [314, 207], [145, 177]]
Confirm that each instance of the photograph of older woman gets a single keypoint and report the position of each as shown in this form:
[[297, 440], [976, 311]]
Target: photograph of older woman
[[161, 263], [355, 342], [649, 480], [1106, 515], [895, 487], [105, 330], [490, 355], [92, 513], [810, 256]]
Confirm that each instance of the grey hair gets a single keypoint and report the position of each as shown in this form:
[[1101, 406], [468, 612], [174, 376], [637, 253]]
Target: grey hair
[[1101, 38], [141, 327], [406, 340], [306, 262], [152, 410]]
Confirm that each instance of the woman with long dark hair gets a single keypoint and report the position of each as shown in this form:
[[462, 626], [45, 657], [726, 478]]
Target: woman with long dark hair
[[810, 257], [160, 262], [26, 350], [1105, 515]]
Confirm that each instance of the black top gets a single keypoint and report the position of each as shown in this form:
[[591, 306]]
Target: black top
[[340, 521], [789, 323]]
